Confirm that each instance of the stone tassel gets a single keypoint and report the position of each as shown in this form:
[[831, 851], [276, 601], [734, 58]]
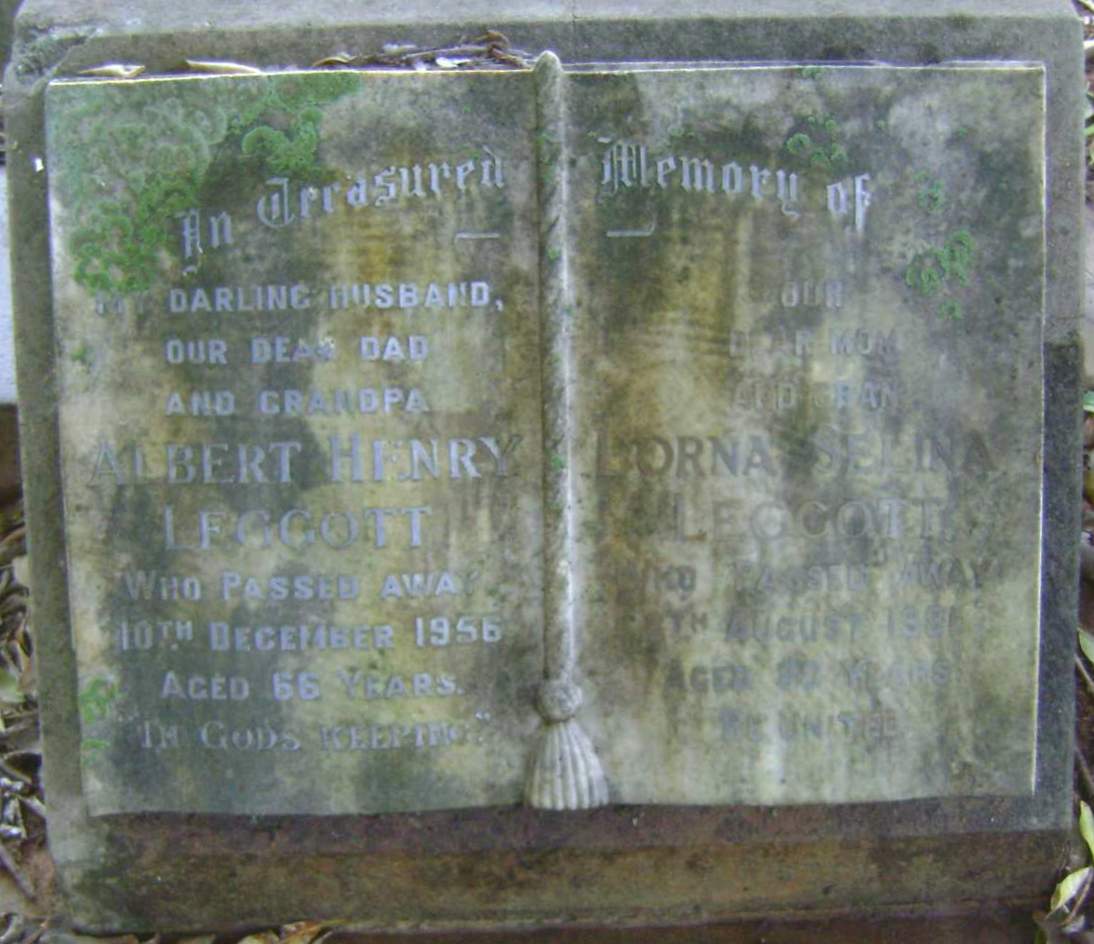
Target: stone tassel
[[565, 772]]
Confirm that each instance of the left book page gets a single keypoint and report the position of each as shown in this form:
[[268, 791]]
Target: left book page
[[298, 377]]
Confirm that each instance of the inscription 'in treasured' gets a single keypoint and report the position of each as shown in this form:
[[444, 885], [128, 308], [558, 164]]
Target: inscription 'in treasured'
[[635, 437]]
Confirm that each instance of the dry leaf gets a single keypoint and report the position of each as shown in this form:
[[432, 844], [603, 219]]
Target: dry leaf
[[302, 932], [262, 937], [9, 688], [115, 70], [221, 68], [20, 567]]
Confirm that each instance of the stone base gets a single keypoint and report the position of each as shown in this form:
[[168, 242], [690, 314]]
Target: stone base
[[987, 925]]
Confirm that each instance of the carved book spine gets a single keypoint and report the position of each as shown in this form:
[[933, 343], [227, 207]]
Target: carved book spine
[[566, 773]]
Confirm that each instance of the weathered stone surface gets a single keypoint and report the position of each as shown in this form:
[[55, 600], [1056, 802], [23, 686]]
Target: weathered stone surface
[[299, 401], [290, 533], [808, 348], [660, 863]]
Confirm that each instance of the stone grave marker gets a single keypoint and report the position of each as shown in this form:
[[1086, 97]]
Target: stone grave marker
[[630, 483]]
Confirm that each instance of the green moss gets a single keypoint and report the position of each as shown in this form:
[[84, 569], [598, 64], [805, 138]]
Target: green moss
[[82, 355], [130, 164], [938, 270], [96, 703], [288, 155], [815, 142], [931, 195], [958, 254], [117, 248], [96, 698], [799, 144], [92, 745], [924, 273], [951, 309]]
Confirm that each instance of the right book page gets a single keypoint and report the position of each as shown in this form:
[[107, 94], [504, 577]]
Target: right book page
[[807, 402]]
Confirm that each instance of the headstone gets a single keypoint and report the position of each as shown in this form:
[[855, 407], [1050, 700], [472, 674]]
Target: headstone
[[625, 482]]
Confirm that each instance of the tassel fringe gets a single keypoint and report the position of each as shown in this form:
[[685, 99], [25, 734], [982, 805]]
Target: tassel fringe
[[566, 773]]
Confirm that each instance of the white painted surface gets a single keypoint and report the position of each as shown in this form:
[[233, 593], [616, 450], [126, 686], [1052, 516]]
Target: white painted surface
[[7, 334], [1088, 313]]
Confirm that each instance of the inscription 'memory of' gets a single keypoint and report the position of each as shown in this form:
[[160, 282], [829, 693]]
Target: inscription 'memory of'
[[628, 164]]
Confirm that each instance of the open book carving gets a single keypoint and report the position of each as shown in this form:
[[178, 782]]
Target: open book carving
[[643, 434]]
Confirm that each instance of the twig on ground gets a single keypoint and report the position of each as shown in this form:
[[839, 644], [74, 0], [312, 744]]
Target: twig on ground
[[1087, 680], [1085, 773], [17, 926], [13, 870], [491, 48]]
